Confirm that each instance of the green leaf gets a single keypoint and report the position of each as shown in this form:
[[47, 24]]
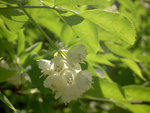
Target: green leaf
[[6, 73], [143, 58], [110, 57], [75, 5], [21, 42], [120, 51], [67, 35], [78, 2], [134, 92], [133, 66], [104, 88], [48, 18], [111, 90], [48, 2], [4, 99], [88, 34], [138, 108], [107, 36], [115, 23], [34, 12], [67, 4], [98, 59], [29, 51], [13, 18], [128, 4], [4, 32], [86, 31]]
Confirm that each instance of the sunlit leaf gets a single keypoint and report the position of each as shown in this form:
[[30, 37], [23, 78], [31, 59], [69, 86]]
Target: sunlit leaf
[[67, 35], [107, 36], [29, 51], [115, 23], [138, 108], [86, 31], [119, 50], [133, 66], [21, 42], [5, 33], [98, 59], [13, 18], [137, 93]]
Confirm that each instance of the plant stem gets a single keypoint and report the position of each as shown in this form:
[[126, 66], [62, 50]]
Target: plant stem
[[19, 7], [98, 99]]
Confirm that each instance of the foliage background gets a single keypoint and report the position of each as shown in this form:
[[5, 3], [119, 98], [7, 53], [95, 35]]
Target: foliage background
[[116, 34]]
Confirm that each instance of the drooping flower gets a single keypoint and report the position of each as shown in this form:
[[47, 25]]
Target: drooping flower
[[45, 66], [58, 64], [84, 80], [54, 82], [65, 76], [76, 54], [70, 93]]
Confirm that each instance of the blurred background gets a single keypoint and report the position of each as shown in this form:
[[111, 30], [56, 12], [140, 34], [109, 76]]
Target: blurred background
[[26, 34]]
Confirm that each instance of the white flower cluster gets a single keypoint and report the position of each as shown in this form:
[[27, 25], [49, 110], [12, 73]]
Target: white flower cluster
[[65, 76]]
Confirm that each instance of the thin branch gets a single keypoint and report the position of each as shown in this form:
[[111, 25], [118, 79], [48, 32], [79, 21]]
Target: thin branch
[[98, 99], [19, 7]]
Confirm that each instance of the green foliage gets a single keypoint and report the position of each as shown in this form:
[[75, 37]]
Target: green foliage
[[115, 23], [6, 73], [6, 101], [85, 30], [21, 42], [115, 34], [133, 66]]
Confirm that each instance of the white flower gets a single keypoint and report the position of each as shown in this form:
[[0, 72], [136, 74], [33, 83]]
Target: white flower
[[68, 76], [76, 84], [69, 85], [84, 80], [54, 82], [71, 90], [70, 93], [65, 76], [76, 54], [58, 64], [45, 66]]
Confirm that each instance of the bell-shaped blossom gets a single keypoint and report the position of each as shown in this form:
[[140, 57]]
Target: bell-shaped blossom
[[57, 64], [72, 92], [76, 54], [45, 66], [65, 76], [54, 82], [84, 80]]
